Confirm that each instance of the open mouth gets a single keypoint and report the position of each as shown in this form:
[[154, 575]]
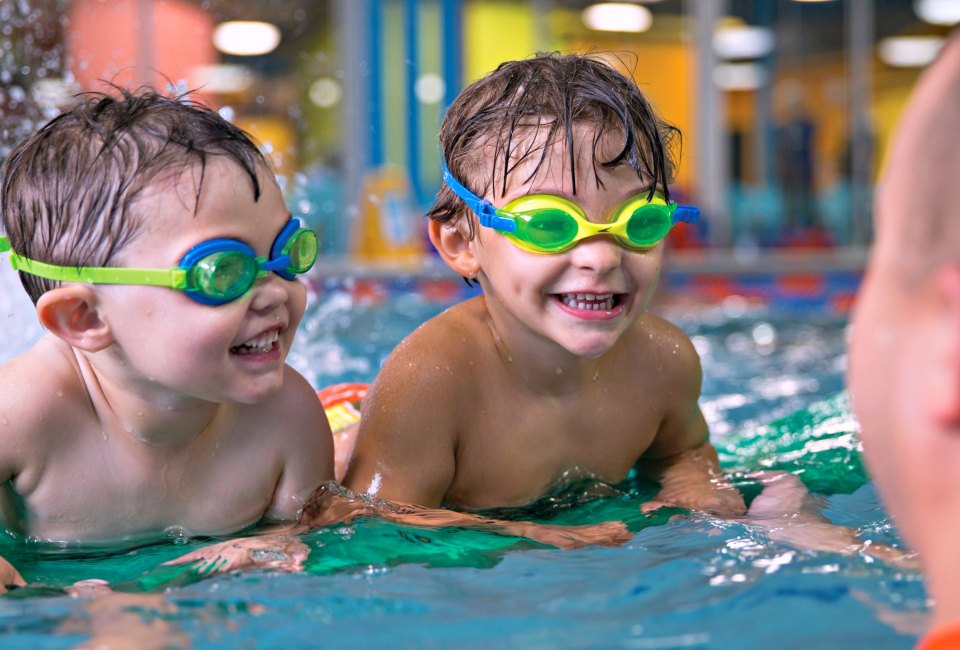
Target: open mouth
[[261, 344], [592, 301]]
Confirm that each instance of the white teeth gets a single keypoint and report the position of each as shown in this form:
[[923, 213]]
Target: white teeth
[[588, 301], [260, 344]]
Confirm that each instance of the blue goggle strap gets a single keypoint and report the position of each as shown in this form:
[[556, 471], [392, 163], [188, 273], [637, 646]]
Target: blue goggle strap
[[489, 216], [686, 213], [280, 261]]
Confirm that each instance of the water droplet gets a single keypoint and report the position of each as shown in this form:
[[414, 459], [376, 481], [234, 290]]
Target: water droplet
[[178, 534]]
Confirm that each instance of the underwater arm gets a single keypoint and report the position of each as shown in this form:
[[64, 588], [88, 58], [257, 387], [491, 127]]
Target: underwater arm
[[9, 576], [334, 504], [787, 513]]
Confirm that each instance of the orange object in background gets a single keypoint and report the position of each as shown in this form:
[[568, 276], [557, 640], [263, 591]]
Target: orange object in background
[[138, 42], [389, 228], [276, 138]]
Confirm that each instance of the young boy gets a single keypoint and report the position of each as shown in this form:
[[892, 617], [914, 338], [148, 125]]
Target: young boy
[[905, 351], [556, 201], [153, 239]]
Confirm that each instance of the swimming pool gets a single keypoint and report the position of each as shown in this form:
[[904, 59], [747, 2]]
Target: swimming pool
[[691, 582]]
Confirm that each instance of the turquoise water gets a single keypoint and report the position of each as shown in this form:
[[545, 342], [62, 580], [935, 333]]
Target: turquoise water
[[773, 397]]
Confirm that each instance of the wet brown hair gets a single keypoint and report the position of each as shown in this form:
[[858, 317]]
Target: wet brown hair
[[66, 192], [550, 91]]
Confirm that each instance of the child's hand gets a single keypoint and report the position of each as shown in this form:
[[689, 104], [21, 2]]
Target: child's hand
[[718, 498], [692, 479], [9, 576], [610, 533], [90, 588], [277, 552]]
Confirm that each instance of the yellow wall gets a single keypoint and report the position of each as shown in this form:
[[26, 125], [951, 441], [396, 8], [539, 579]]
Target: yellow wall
[[495, 32]]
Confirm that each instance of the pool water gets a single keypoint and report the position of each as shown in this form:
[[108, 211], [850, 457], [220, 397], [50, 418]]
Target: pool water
[[773, 397]]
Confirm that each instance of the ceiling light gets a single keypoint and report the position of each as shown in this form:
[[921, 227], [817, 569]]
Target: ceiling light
[[909, 51], [246, 37], [938, 12], [739, 76], [221, 78], [617, 17], [429, 88], [733, 41], [325, 92]]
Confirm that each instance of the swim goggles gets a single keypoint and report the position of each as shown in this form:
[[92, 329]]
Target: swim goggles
[[543, 223], [213, 272]]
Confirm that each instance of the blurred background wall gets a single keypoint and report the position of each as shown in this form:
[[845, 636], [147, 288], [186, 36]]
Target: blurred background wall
[[786, 106]]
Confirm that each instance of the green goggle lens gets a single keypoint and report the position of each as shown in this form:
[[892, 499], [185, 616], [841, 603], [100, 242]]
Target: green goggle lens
[[550, 229], [225, 275], [648, 225], [303, 249]]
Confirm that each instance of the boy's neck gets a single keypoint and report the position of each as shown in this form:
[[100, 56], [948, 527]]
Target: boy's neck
[[145, 414], [540, 365]]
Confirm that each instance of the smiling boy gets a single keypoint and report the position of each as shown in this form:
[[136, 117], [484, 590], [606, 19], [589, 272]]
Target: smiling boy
[[153, 239], [556, 201]]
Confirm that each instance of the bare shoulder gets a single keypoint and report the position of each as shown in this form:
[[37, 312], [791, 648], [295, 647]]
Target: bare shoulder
[[295, 414], [43, 399], [412, 417], [655, 338], [437, 360], [426, 384]]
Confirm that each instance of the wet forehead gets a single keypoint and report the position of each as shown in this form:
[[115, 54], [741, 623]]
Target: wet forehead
[[539, 158]]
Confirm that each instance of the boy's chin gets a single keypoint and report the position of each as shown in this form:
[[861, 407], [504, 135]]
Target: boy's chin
[[258, 393], [589, 349]]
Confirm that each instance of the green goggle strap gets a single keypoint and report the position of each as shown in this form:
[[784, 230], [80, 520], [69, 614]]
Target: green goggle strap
[[172, 278]]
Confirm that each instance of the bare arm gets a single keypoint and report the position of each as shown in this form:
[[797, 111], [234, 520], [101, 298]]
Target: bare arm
[[406, 446], [9, 576], [681, 457], [787, 513], [306, 446], [21, 412]]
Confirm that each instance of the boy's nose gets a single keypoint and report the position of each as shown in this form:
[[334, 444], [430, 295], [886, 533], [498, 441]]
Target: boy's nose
[[599, 254], [269, 291]]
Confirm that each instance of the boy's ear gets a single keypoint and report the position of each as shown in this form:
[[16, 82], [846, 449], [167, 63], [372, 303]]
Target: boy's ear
[[71, 313], [454, 247], [946, 388]]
